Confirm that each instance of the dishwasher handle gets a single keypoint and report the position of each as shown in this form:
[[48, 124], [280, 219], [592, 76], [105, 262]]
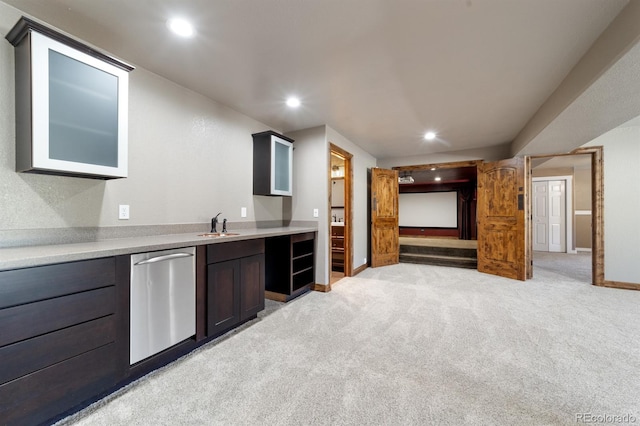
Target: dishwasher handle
[[163, 258]]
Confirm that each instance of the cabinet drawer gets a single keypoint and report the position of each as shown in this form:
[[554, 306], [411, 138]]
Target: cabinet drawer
[[37, 397], [33, 319], [337, 231], [222, 252], [337, 243], [21, 286], [34, 354]]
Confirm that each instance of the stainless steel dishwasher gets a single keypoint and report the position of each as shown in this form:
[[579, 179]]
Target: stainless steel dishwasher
[[163, 300]]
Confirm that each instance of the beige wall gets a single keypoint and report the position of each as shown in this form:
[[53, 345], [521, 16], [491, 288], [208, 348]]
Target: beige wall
[[189, 158], [583, 231], [582, 189], [558, 171], [582, 200]]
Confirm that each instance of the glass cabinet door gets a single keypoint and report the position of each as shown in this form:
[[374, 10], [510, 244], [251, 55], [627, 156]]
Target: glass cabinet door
[[83, 112], [281, 166], [79, 111]]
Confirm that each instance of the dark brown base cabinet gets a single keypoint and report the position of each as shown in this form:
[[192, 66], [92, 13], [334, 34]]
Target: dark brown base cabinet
[[64, 328], [64, 336], [235, 284]]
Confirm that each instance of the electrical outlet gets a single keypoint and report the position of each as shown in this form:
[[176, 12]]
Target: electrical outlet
[[243, 212], [365, 261], [123, 212], [316, 213]]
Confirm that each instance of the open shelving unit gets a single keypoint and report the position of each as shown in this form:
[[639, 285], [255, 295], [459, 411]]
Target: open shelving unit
[[337, 248], [290, 269]]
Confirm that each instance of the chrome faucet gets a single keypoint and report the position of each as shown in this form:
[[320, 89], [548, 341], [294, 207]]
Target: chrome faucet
[[214, 223], [224, 225]]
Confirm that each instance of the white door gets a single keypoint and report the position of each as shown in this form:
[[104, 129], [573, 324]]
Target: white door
[[557, 215], [540, 216], [549, 216]]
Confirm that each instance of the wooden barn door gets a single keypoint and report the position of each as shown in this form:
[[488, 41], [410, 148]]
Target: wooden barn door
[[385, 245], [501, 219]]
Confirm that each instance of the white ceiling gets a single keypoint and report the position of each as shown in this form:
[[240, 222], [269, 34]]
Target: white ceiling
[[380, 72]]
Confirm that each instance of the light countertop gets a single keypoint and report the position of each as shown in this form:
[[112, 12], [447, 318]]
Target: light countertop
[[22, 257]]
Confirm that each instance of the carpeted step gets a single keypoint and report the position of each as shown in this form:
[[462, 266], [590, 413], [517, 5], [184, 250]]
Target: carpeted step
[[430, 259], [438, 251]]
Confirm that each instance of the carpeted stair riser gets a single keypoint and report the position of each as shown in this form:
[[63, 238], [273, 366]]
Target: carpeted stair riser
[[440, 256], [439, 251], [456, 262]]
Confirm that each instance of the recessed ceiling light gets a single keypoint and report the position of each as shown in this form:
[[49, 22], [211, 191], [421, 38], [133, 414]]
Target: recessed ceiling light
[[433, 168], [293, 102], [430, 136], [181, 27], [438, 179]]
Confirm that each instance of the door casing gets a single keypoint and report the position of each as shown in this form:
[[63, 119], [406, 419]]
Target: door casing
[[597, 209], [348, 203]]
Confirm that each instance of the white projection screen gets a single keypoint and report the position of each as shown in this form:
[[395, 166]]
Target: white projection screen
[[429, 210]]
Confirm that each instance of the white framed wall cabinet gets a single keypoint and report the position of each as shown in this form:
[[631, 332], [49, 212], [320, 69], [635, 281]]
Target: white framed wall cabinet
[[71, 105], [272, 164]]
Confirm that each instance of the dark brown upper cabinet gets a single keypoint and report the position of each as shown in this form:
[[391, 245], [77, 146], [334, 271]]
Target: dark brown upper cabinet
[[71, 105], [272, 164]]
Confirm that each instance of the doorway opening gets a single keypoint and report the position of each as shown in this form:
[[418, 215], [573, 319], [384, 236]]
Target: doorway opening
[[437, 214], [566, 205], [341, 217], [553, 206]]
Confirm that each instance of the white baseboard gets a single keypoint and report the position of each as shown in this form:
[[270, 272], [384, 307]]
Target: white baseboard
[[582, 249]]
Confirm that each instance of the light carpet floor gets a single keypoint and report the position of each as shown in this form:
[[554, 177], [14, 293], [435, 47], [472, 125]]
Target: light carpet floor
[[407, 344], [576, 266]]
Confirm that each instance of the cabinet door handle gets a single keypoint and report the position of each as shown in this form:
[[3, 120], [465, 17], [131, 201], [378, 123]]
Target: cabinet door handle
[[163, 258]]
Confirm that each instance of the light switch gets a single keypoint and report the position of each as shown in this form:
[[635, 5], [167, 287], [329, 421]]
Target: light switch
[[123, 212], [316, 213], [243, 212]]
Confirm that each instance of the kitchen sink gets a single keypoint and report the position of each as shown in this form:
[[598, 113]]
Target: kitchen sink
[[217, 234]]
